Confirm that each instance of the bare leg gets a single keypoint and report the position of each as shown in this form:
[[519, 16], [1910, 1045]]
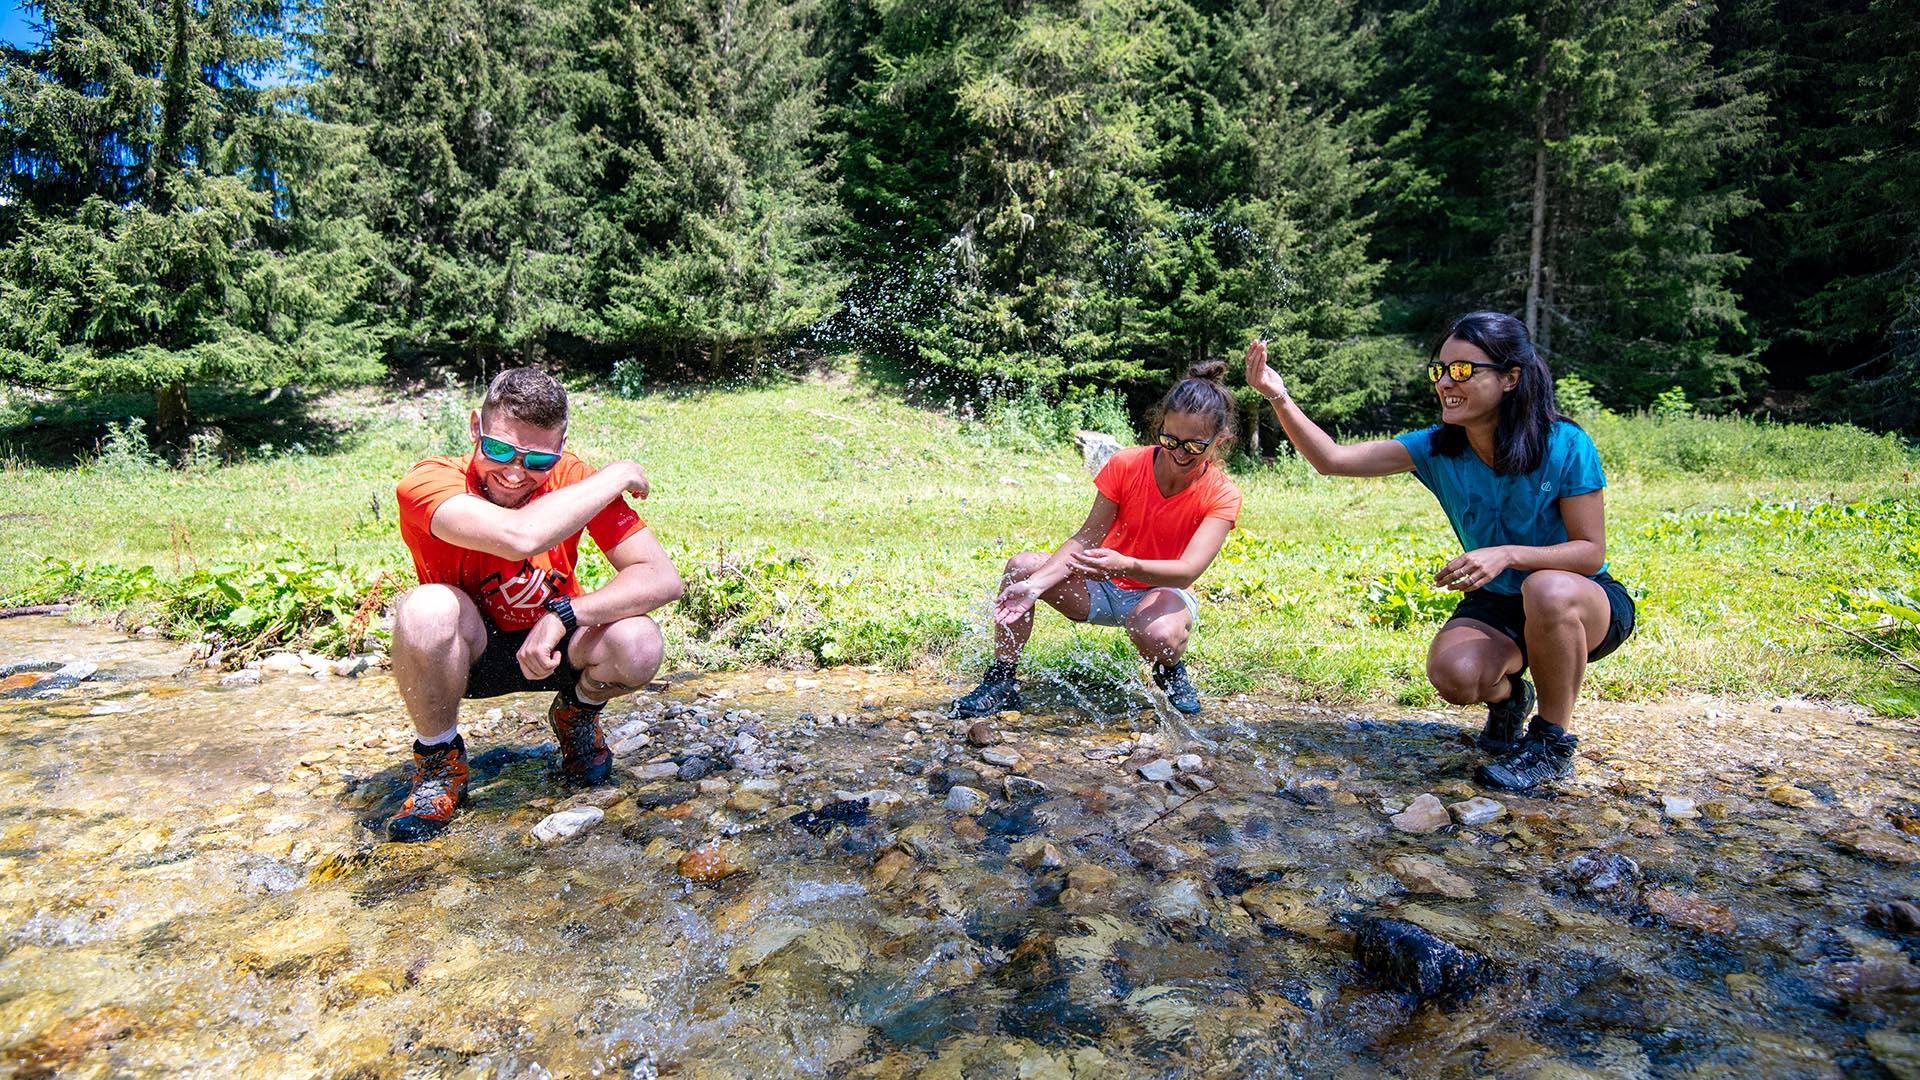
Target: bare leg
[[1567, 615], [437, 635], [1069, 598], [618, 658], [1159, 626], [1469, 661]]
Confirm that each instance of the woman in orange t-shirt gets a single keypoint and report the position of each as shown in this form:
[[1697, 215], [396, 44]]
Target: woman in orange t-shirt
[[1162, 513]]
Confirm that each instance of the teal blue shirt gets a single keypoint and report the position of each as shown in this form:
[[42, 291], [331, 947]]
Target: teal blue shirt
[[1488, 510]]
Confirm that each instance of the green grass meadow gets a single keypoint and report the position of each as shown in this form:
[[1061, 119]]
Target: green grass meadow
[[827, 519]]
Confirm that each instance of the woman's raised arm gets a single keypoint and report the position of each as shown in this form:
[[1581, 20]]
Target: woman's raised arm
[[1376, 457]]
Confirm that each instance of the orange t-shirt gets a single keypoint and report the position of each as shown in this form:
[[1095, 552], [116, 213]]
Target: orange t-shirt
[[1150, 525], [511, 593]]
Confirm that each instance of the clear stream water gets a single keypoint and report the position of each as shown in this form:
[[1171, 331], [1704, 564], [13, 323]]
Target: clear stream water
[[192, 882]]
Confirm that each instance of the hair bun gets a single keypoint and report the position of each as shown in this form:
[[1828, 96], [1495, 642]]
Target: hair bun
[[1210, 370]]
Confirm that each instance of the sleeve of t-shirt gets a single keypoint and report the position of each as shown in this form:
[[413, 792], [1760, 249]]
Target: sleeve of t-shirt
[[1226, 504], [615, 522], [1419, 446], [428, 484], [1580, 471]]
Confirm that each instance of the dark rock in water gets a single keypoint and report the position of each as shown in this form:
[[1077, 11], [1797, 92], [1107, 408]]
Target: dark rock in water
[[17, 667], [951, 777], [907, 766], [844, 812], [1399, 955], [700, 766], [1606, 875], [670, 795], [1895, 915], [1018, 820]]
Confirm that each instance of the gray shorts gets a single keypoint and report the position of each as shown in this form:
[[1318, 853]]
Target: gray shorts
[[1109, 604]]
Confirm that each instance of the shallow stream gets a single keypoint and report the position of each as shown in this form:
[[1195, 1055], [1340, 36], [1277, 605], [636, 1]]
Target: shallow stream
[[192, 881]]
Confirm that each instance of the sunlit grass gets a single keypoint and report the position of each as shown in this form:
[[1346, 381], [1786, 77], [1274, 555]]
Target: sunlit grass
[[907, 513]]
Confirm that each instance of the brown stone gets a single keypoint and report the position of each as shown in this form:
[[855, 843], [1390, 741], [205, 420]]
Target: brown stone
[[982, 733], [66, 1042], [1875, 844], [888, 866], [706, 864], [1689, 911]]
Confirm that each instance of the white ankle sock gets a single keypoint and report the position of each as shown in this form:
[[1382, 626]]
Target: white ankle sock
[[441, 739]]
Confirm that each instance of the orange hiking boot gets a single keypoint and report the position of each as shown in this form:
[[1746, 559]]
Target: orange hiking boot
[[584, 757], [439, 787]]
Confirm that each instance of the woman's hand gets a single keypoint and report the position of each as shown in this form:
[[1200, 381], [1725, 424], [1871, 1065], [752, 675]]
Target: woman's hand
[[1103, 563], [1014, 602], [1264, 380], [1474, 569]]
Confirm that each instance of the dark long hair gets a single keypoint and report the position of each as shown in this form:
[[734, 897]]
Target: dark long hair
[[1527, 412]]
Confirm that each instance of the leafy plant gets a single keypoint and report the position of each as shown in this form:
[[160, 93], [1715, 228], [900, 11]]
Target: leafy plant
[[629, 379], [1671, 402], [1406, 596]]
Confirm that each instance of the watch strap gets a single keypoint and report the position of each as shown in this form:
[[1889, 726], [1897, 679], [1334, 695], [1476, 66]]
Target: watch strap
[[562, 607]]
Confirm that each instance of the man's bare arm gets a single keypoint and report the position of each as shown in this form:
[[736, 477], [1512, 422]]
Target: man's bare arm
[[525, 531]]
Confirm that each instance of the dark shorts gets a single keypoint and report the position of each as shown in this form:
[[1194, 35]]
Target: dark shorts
[[498, 669], [1507, 614]]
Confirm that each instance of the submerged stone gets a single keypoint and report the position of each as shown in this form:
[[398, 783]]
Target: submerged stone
[[567, 823], [1423, 815], [1402, 956]]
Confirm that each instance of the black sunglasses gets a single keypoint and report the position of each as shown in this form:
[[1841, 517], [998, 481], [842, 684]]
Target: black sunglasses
[[1194, 447]]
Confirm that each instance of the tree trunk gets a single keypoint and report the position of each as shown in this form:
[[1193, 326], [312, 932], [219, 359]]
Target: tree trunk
[[170, 413], [1537, 240]]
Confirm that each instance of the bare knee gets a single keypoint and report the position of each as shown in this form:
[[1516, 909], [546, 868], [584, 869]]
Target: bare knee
[[430, 619], [1458, 682], [628, 654], [1552, 596], [1023, 565]]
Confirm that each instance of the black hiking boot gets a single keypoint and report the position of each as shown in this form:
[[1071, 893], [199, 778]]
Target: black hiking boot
[[1545, 755], [996, 691], [439, 787], [1507, 719], [1181, 693]]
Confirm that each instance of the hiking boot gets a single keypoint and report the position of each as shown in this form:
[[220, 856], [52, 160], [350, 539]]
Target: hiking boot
[[1507, 719], [1181, 693], [439, 787], [997, 691], [1545, 755], [584, 757]]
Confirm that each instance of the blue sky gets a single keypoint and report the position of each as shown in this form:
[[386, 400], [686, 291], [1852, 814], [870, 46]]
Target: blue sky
[[14, 28]]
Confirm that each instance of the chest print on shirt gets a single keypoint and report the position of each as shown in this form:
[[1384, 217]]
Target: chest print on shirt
[[526, 590]]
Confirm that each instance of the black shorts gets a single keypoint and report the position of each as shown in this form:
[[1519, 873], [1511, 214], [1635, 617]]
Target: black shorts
[[498, 669], [1507, 614]]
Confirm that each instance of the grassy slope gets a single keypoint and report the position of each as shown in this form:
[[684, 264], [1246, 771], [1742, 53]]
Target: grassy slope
[[908, 514]]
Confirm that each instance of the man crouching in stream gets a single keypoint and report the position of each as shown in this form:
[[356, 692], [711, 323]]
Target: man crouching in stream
[[495, 538]]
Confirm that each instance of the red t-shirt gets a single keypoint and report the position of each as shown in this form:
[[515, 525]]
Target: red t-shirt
[[511, 593], [1150, 525]]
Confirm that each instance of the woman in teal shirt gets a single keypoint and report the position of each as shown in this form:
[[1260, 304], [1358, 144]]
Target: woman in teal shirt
[[1522, 486]]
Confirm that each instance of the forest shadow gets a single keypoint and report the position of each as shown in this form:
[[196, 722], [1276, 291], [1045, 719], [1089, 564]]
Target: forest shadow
[[224, 426]]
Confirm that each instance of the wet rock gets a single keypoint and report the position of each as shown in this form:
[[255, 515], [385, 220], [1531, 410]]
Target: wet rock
[[1860, 980], [1021, 789], [1476, 811], [1180, 900], [1000, 756], [1678, 807], [294, 947], [982, 733], [948, 778], [1791, 795], [1157, 770], [1896, 915], [848, 812], [1604, 875], [606, 798], [1163, 857], [630, 744], [656, 770], [67, 1042], [1189, 763], [566, 824], [697, 767], [1275, 908], [1195, 783], [669, 795], [1091, 879], [282, 663], [1413, 960], [247, 677], [1423, 815], [967, 800], [348, 667], [748, 802], [1424, 875], [1875, 844], [1897, 1052], [713, 785], [889, 866], [1690, 912], [367, 983], [706, 864], [1046, 857]]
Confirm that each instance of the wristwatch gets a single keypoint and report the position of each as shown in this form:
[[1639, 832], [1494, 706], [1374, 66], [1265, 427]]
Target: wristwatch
[[562, 607]]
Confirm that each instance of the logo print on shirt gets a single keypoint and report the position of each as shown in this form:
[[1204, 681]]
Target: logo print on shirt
[[527, 590], [1546, 485]]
